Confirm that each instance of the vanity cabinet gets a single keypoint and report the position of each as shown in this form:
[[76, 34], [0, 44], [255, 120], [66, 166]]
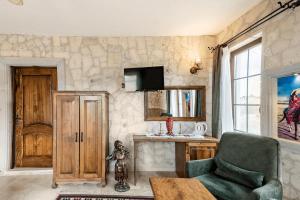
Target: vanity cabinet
[[192, 151], [80, 143], [186, 149]]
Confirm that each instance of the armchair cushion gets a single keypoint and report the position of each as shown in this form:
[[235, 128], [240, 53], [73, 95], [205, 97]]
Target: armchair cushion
[[224, 189], [239, 175], [199, 167]]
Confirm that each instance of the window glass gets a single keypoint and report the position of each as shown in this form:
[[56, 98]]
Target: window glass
[[253, 119], [241, 118], [246, 88], [254, 90], [240, 69], [240, 92], [255, 60]]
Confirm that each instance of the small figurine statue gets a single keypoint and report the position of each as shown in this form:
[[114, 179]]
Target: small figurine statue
[[120, 154]]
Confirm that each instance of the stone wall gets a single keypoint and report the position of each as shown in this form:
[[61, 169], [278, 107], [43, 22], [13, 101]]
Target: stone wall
[[96, 63], [281, 47]]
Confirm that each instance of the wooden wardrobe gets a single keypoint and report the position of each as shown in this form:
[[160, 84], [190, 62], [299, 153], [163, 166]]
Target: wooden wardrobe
[[80, 137]]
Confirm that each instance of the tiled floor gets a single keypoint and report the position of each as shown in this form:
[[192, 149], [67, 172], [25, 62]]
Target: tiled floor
[[38, 187]]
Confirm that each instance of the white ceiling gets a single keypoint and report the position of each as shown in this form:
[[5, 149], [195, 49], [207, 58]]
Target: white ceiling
[[121, 17]]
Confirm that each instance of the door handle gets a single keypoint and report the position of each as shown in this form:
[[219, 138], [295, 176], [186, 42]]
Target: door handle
[[76, 138], [81, 137]]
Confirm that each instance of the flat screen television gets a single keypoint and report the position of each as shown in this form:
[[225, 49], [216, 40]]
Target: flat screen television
[[144, 78]]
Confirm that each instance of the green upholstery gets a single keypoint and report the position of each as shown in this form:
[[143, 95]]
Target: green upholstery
[[222, 188], [200, 167], [273, 189], [249, 152], [236, 174]]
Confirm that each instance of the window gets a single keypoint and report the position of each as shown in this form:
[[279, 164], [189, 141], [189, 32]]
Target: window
[[246, 74]]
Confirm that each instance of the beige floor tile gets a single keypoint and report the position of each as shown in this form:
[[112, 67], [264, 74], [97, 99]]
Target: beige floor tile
[[37, 187]]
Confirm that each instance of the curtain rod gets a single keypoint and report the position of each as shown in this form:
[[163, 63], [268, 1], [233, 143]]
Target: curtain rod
[[292, 4]]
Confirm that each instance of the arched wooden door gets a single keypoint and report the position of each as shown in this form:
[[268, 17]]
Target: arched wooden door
[[34, 87]]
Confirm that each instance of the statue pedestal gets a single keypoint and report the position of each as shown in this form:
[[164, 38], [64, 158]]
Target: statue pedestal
[[122, 187]]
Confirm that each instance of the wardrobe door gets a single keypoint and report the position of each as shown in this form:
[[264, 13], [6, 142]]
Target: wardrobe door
[[90, 137], [67, 138]]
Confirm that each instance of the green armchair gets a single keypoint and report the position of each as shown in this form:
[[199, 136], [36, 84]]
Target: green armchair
[[250, 153]]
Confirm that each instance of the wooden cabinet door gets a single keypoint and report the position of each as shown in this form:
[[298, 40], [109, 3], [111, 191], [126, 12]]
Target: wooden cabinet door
[[198, 151], [91, 146], [67, 137], [33, 116], [192, 151]]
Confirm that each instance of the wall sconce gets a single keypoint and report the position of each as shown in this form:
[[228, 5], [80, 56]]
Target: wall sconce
[[17, 2], [196, 67]]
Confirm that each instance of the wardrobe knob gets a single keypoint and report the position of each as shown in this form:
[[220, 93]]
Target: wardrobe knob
[[76, 137]]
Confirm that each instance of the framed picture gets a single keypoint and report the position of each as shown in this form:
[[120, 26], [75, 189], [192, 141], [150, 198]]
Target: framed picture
[[288, 107]]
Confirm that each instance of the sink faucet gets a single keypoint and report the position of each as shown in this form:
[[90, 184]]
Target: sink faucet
[[180, 128], [160, 131]]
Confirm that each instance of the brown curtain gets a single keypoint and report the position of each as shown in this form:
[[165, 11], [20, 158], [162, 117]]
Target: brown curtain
[[216, 125]]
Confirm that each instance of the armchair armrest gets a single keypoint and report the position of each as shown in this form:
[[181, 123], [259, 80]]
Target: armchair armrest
[[271, 190], [199, 167]]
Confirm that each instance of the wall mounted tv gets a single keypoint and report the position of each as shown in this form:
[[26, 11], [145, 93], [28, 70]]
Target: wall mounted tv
[[144, 78]]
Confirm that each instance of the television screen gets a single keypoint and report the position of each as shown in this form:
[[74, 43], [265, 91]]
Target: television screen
[[144, 79]]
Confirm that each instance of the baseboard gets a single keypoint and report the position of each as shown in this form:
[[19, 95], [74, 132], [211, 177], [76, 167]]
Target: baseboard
[[26, 171]]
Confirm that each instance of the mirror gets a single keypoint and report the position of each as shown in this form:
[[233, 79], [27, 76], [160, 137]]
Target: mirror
[[184, 103]]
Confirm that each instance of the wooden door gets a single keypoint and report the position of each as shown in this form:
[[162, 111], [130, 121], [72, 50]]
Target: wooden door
[[90, 137], [67, 136], [34, 87]]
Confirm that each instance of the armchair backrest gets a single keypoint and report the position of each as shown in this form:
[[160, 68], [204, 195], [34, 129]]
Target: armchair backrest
[[251, 152]]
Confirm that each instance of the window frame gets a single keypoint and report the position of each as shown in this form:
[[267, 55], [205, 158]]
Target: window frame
[[232, 66]]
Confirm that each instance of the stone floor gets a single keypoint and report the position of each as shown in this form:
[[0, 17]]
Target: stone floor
[[37, 187]]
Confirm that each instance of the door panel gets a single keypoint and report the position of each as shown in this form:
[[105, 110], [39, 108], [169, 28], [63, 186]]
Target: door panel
[[36, 98], [33, 116], [202, 150], [67, 123], [37, 144], [90, 138]]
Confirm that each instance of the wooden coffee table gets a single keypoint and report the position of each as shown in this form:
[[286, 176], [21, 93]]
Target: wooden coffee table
[[179, 189]]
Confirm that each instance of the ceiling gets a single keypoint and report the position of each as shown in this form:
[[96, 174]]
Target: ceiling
[[121, 17]]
